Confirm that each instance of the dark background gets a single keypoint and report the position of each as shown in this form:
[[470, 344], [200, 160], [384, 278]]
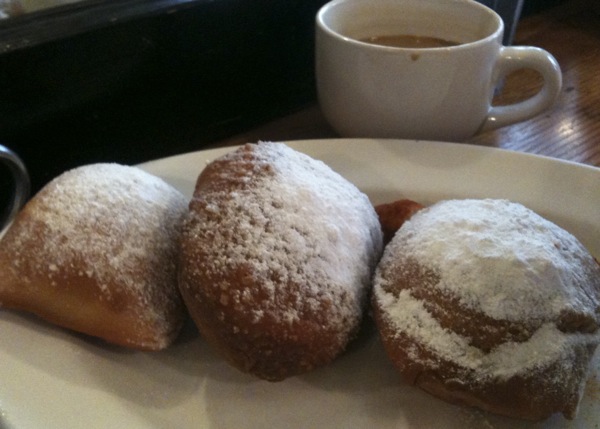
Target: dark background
[[133, 80], [105, 85]]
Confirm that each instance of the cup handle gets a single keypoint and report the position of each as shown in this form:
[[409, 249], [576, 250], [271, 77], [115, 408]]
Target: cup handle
[[519, 57], [21, 187]]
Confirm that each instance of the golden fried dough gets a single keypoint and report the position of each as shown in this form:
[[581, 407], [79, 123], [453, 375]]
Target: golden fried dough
[[485, 303], [393, 215], [95, 251], [277, 257]]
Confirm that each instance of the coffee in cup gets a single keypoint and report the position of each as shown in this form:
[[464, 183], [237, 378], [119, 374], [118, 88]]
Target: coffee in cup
[[439, 90]]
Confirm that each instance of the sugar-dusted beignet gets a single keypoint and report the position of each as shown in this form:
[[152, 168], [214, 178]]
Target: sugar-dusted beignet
[[485, 303], [95, 251], [277, 256]]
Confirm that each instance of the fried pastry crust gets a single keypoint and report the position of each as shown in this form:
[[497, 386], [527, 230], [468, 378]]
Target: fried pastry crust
[[94, 251], [485, 303], [277, 257]]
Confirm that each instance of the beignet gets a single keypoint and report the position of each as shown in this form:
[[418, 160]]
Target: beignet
[[485, 303], [277, 257], [95, 251]]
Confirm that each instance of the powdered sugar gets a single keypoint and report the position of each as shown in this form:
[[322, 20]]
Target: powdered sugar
[[546, 345], [297, 225], [115, 224], [500, 259]]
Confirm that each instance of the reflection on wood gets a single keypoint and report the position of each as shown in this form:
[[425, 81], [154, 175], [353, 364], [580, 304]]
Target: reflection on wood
[[34, 5], [571, 128], [9, 8]]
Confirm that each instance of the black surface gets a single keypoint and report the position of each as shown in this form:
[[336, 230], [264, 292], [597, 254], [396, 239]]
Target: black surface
[[148, 85]]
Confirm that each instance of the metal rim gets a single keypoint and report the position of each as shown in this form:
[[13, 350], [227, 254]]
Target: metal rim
[[21, 188]]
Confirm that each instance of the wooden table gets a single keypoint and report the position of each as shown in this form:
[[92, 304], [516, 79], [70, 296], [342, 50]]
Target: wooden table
[[570, 130]]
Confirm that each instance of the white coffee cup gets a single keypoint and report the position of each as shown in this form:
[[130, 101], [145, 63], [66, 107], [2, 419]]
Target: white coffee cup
[[21, 185], [443, 93]]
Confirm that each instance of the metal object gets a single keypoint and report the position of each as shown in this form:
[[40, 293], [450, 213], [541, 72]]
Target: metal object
[[21, 186]]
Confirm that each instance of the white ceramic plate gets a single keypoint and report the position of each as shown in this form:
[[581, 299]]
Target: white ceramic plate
[[51, 378]]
